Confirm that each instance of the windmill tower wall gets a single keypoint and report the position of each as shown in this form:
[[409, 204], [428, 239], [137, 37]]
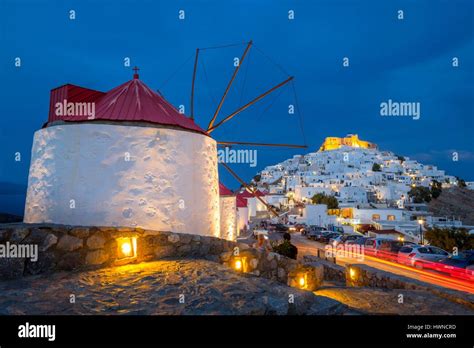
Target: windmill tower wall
[[228, 217], [96, 174]]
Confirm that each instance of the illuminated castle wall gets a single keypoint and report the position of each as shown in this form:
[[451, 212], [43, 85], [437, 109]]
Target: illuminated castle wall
[[334, 143]]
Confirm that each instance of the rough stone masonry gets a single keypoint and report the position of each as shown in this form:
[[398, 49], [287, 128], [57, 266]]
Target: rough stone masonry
[[68, 248]]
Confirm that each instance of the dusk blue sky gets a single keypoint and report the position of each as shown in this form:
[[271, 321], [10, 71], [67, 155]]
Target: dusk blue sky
[[405, 60]]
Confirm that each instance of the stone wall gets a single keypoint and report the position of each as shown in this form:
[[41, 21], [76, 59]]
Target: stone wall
[[68, 248], [332, 271], [358, 275], [61, 247], [274, 266]]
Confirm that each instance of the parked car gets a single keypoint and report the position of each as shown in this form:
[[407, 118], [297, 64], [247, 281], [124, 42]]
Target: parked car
[[420, 256], [383, 247], [300, 227], [334, 241], [333, 228], [326, 237], [316, 228], [359, 241], [312, 228], [354, 240], [279, 228], [460, 265], [344, 239], [389, 249], [315, 234]]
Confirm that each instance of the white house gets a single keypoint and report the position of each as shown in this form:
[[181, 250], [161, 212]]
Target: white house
[[316, 214], [367, 216], [352, 194]]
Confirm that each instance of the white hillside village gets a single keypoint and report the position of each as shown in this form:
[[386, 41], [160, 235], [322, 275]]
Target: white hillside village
[[371, 188]]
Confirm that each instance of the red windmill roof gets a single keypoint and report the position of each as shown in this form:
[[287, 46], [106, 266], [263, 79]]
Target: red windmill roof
[[224, 191], [241, 202], [131, 101], [247, 194]]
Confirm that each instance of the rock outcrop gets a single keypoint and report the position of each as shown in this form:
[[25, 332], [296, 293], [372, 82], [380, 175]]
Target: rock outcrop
[[179, 287]]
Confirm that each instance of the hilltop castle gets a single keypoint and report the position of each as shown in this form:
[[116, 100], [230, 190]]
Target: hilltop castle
[[352, 140]]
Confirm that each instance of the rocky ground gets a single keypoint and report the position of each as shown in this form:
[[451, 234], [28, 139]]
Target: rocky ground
[[457, 202], [385, 301], [155, 288]]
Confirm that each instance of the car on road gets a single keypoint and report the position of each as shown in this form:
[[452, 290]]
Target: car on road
[[383, 248], [278, 228], [334, 241], [420, 256], [339, 229], [326, 236], [344, 239], [360, 241], [299, 227], [312, 228], [460, 265], [315, 234]]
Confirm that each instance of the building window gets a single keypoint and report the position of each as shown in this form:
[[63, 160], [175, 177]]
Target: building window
[[391, 217], [375, 217]]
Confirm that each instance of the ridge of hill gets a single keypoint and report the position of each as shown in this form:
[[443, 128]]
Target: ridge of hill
[[454, 202]]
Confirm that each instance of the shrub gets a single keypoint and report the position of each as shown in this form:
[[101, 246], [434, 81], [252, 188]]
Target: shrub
[[330, 201], [449, 238]]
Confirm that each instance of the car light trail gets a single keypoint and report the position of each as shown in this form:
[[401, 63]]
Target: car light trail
[[462, 282], [437, 278]]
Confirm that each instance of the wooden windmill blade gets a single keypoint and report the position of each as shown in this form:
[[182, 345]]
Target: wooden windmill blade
[[211, 127], [193, 82], [229, 143], [237, 68], [250, 103]]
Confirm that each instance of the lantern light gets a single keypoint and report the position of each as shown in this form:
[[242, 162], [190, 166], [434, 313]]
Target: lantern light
[[127, 248], [302, 282], [352, 273]]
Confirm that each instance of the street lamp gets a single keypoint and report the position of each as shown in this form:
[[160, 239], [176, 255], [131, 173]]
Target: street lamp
[[420, 222]]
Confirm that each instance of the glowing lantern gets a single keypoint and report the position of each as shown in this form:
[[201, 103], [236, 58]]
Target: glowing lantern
[[127, 247], [352, 273], [302, 282], [238, 265]]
